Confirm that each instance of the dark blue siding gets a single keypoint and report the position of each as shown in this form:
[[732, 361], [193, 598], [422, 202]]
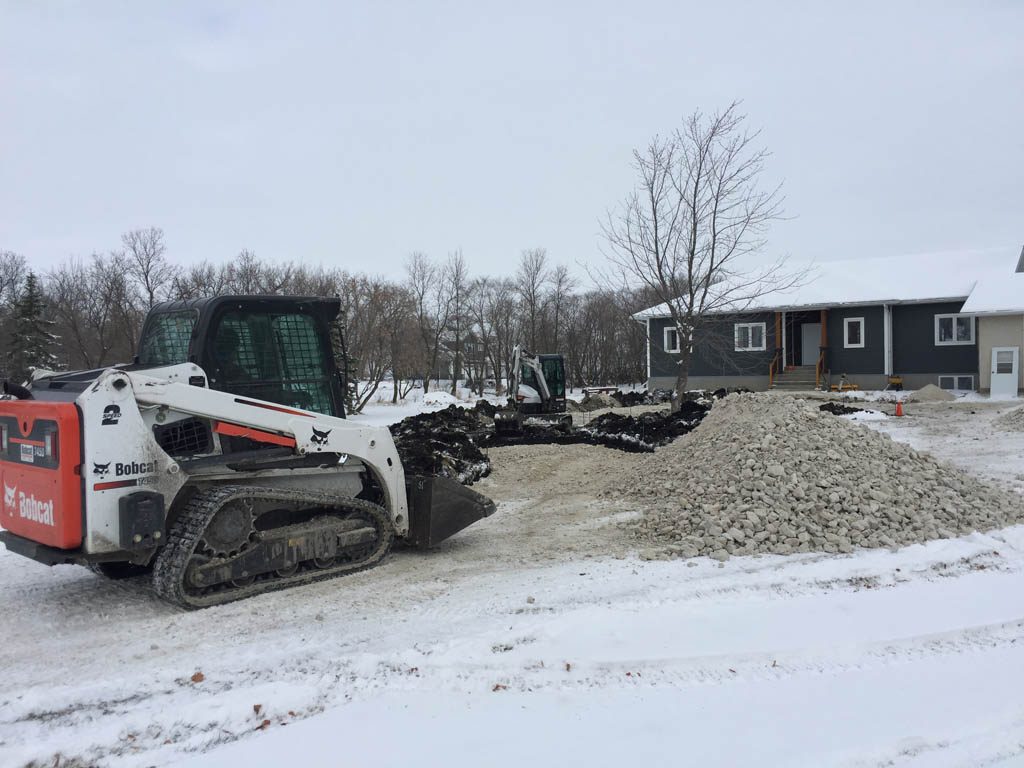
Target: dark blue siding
[[913, 341], [870, 359], [714, 353]]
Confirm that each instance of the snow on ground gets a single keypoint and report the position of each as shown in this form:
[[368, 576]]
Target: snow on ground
[[536, 637], [865, 416]]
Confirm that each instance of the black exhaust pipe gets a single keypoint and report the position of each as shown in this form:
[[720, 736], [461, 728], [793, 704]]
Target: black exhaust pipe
[[18, 391]]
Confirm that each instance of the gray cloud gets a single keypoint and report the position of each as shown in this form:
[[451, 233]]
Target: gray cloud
[[357, 134]]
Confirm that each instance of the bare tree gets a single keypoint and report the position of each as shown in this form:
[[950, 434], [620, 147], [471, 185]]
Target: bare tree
[[13, 268], [562, 285], [698, 211], [530, 279], [457, 286], [145, 255], [199, 280], [432, 307], [94, 305]]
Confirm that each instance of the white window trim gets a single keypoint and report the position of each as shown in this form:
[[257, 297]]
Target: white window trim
[[953, 343], [764, 336], [846, 332], [664, 339], [954, 377]]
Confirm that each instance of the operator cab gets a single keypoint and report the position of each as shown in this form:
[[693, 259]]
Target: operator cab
[[272, 348], [529, 394]]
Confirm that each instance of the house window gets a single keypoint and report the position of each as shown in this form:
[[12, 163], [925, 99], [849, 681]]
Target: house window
[[853, 333], [749, 337], [954, 329], [671, 340], [965, 383]]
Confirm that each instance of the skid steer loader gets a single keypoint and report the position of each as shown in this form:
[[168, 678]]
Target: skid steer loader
[[220, 459]]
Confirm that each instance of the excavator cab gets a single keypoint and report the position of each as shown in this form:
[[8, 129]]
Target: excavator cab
[[549, 398], [272, 348], [537, 391]]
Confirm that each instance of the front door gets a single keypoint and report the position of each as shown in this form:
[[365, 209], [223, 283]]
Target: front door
[[810, 340], [1005, 371]]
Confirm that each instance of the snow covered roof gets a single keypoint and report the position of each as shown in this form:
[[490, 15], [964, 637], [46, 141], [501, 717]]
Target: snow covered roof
[[997, 295], [882, 280]]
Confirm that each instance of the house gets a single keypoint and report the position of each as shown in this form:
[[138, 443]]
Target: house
[[861, 321], [998, 306]]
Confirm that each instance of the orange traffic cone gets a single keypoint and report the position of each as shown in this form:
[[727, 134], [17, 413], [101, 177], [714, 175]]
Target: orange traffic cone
[[899, 407]]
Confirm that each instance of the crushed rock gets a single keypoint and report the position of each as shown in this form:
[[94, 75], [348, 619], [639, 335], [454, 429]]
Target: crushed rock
[[929, 393], [770, 474], [1012, 421]]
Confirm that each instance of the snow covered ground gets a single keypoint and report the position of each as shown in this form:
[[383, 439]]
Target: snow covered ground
[[536, 637]]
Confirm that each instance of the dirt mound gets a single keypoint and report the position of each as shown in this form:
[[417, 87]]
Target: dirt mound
[[766, 474], [929, 393], [838, 409], [486, 407], [1012, 421], [596, 401], [442, 444], [648, 430], [629, 399], [633, 434]]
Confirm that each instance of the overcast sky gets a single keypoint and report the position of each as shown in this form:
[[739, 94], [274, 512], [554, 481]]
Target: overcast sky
[[355, 133]]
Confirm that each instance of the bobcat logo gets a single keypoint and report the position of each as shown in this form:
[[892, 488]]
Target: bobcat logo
[[9, 494], [100, 469], [319, 438], [111, 415]]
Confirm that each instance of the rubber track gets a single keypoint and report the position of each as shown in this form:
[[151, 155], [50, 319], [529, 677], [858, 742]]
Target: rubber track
[[172, 561]]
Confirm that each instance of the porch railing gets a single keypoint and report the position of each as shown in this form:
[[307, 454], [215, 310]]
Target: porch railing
[[773, 366], [819, 367]]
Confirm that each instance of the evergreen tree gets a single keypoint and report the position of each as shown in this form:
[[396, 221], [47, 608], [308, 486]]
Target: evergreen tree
[[31, 342]]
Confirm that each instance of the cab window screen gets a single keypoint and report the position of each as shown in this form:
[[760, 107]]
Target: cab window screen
[[279, 358], [167, 337], [554, 375], [527, 377]]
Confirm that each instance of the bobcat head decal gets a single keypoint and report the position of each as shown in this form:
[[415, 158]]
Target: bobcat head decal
[[9, 494], [100, 469], [319, 438]]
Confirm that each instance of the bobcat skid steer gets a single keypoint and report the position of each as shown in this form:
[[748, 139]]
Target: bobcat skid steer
[[220, 460]]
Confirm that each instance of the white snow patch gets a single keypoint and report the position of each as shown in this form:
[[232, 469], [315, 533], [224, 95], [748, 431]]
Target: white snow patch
[[865, 416]]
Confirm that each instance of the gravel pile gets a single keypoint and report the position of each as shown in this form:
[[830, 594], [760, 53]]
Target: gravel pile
[[1012, 421], [770, 474], [929, 393]]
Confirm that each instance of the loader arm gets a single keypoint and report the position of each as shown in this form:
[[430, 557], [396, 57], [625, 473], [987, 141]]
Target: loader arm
[[305, 432]]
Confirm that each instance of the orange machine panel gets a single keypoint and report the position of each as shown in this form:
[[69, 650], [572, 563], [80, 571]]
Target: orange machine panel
[[40, 469]]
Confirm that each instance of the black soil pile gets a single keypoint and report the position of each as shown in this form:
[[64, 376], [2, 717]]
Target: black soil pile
[[633, 434], [646, 431], [486, 407], [839, 409], [629, 399], [442, 444]]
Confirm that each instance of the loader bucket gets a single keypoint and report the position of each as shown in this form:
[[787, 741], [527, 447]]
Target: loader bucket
[[440, 508]]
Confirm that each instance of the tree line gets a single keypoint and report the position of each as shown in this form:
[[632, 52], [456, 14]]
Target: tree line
[[438, 325]]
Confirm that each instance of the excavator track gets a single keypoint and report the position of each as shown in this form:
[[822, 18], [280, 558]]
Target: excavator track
[[309, 537]]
